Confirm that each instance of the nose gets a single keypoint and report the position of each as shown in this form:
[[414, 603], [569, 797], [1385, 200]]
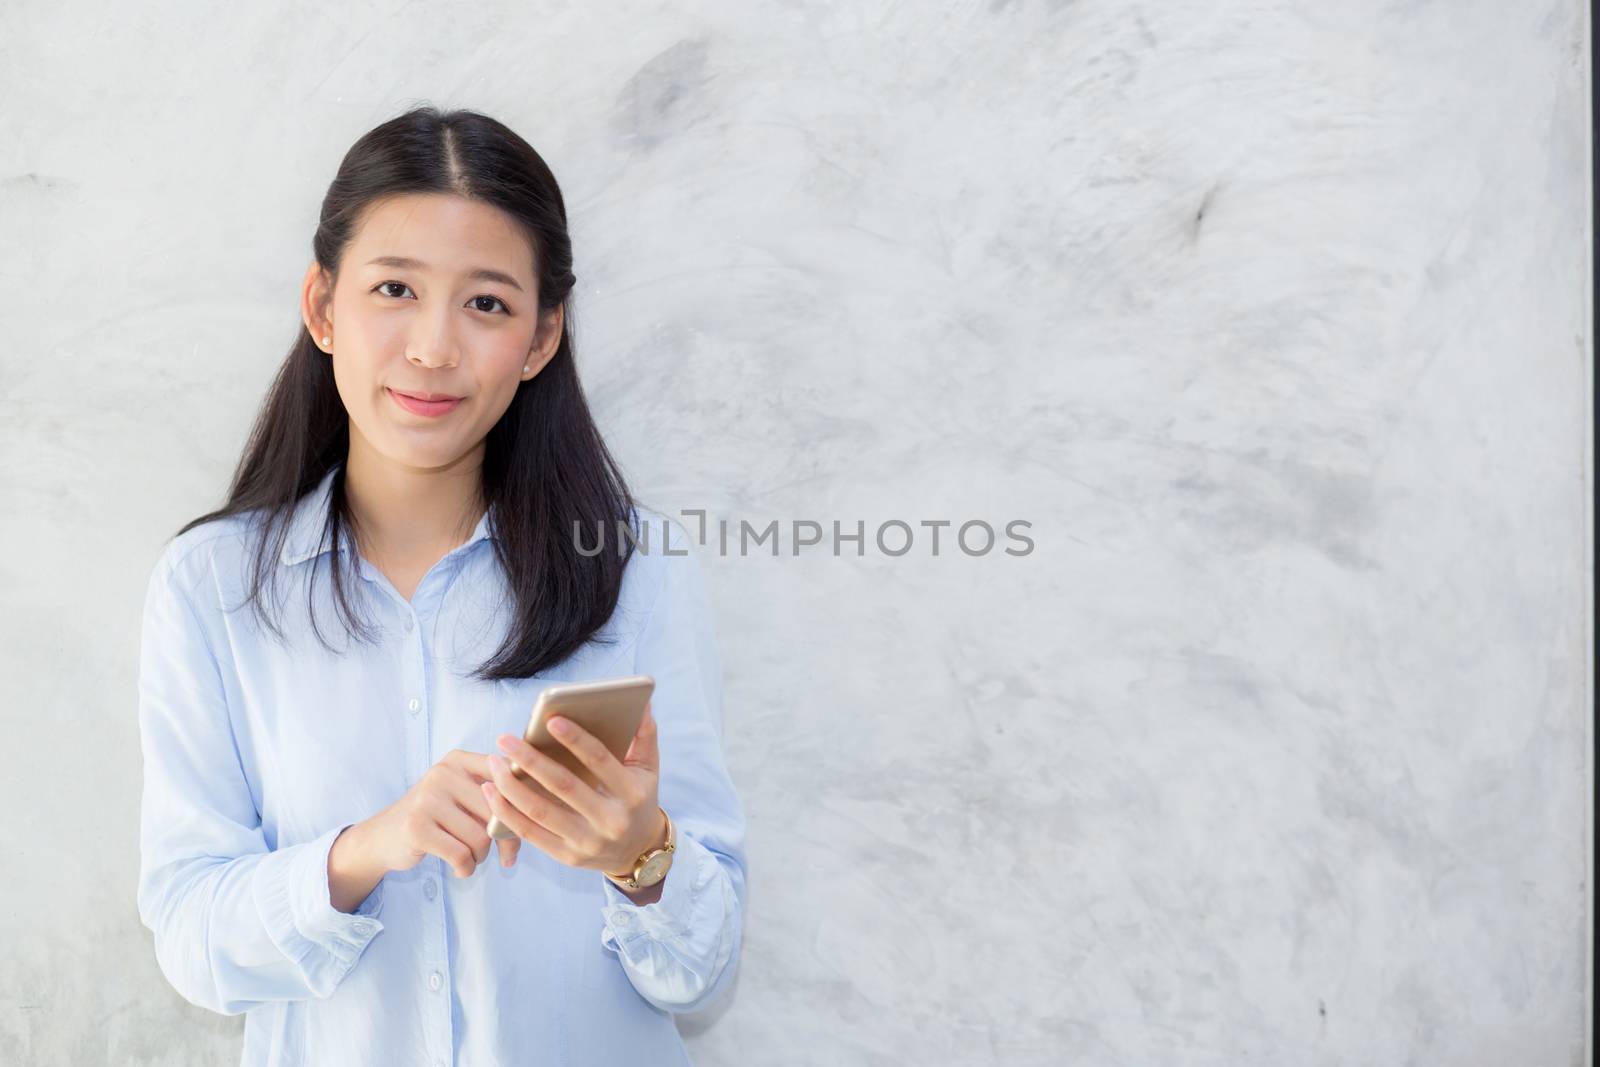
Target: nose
[[432, 343], [423, 361], [431, 356]]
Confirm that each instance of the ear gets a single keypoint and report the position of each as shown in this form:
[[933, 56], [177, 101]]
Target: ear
[[316, 303], [547, 340]]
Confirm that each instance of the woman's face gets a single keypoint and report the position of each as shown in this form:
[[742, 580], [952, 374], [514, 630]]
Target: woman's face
[[436, 295]]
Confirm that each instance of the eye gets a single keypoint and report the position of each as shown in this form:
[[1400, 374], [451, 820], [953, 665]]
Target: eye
[[496, 299], [381, 287]]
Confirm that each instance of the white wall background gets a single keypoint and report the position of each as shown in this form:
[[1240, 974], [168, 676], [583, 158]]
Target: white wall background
[[1270, 317]]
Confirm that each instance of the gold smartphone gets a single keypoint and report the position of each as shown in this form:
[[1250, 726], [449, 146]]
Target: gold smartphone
[[611, 710]]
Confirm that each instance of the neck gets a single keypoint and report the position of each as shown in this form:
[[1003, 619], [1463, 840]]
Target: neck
[[406, 513]]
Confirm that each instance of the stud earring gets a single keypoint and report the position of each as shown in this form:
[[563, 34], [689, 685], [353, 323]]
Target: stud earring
[[524, 368], [326, 341]]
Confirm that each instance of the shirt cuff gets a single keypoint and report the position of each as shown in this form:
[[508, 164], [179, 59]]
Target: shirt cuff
[[296, 904], [672, 916]]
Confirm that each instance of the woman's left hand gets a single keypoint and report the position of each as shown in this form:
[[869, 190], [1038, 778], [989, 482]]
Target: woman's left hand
[[606, 830]]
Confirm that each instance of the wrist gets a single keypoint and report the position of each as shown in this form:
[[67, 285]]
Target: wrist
[[658, 840], [354, 855], [648, 895], [352, 874]]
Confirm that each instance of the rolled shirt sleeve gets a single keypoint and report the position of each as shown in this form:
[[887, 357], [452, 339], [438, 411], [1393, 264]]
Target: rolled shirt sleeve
[[236, 923], [680, 952]]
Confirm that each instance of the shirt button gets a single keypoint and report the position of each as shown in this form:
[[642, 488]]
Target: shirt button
[[408, 624], [435, 980], [362, 927], [414, 706], [429, 889]]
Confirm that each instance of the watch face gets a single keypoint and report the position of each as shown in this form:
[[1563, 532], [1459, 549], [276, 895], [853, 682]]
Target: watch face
[[655, 867]]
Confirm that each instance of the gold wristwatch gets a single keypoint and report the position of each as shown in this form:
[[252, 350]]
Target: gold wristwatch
[[652, 866]]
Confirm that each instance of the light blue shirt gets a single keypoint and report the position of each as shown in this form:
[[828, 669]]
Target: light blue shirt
[[257, 755]]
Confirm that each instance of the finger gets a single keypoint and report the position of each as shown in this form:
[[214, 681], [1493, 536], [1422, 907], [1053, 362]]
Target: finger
[[463, 789], [475, 765], [525, 828], [643, 750], [556, 781], [463, 826], [540, 807], [434, 839], [508, 845], [591, 752]]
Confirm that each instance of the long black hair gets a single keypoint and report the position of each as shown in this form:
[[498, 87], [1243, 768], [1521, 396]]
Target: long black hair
[[546, 470]]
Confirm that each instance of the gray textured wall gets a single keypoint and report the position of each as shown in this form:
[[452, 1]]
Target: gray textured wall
[[1270, 318]]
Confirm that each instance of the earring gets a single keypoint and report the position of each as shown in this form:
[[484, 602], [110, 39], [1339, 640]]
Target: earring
[[524, 368], [326, 341]]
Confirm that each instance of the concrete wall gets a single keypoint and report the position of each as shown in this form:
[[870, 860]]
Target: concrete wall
[[1270, 318]]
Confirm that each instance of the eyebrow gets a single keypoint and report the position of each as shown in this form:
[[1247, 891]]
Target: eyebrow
[[481, 274]]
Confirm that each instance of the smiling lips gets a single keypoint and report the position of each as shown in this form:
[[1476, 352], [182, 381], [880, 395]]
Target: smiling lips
[[431, 404]]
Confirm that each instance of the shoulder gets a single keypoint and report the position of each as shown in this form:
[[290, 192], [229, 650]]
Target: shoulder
[[661, 576], [674, 621], [666, 555], [194, 563], [667, 575]]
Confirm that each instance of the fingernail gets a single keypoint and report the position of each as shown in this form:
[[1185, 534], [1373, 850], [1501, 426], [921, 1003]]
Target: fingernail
[[504, 742], [496, 764]]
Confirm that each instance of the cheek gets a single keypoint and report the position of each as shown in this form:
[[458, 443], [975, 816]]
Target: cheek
[[366, 334], [347, 382], [493, 399], [357, 383], [505, 358], [500, 375]]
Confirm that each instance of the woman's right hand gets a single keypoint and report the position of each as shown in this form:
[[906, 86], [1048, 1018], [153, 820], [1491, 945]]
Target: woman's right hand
[[444, 815]]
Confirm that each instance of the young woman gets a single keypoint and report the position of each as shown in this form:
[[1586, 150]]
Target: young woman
[[425, 472]]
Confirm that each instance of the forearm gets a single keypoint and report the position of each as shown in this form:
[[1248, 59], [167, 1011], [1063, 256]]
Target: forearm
[[258, 927], [678, 952]]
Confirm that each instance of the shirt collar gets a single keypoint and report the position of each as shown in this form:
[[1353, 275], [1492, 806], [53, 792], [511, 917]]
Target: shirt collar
[[306, 537]]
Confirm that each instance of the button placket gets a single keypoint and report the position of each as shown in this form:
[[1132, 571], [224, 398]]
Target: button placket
[[416, 656]]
